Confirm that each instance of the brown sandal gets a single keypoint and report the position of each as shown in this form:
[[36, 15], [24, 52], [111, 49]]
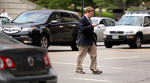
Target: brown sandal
[[80, 72], [96, 71]]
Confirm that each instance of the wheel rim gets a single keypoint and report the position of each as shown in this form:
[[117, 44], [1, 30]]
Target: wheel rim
[[44, 42], [138, 42]]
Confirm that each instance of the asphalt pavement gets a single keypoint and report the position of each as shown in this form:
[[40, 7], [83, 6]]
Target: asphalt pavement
[[119, 64]]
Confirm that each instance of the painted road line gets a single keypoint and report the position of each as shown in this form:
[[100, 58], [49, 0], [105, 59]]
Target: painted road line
[[119, 68], [101, 50], [122, 57], [94, 80]]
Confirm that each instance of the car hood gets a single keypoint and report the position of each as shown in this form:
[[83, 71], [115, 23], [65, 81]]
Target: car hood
[[18, 24], [124, 28], [16, 46]]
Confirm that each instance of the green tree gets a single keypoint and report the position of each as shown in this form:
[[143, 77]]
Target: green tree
[[104, 4]]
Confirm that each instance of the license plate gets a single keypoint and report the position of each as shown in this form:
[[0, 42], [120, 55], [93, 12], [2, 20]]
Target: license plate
[[115, 37]]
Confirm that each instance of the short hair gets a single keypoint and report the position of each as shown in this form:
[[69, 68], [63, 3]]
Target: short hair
[[89, 9]]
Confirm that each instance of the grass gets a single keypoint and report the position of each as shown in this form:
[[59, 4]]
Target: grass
[[104, 14]]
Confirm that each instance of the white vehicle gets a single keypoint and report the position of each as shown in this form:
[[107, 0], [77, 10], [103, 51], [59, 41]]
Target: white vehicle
[[4, 19], [103, 23], [132, 29]]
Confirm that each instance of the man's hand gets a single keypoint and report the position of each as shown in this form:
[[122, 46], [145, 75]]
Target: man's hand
[[94, 25]]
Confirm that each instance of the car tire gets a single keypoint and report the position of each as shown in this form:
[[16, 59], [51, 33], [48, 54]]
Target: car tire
[[74, 44], [108, 44], [43, 42], [130, 44], [137, 42]]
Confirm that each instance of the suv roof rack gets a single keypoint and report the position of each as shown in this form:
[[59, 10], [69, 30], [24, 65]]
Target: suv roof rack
[[138, 12]]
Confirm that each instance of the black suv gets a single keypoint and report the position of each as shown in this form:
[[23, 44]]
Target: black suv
[[44, 28]]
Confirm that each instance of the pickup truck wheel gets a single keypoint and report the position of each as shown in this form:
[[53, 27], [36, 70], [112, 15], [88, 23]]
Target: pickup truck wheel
[[137, 42], [43, 42], [108, 44], [74, 44]]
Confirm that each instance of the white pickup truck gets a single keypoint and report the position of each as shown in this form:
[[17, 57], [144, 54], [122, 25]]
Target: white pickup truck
[[132, 29]]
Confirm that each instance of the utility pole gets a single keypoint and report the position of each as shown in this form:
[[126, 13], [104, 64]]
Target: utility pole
[[82, 8]]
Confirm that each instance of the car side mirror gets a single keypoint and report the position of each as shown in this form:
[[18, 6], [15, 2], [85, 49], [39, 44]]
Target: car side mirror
[[146, 24], [54, 22], [101, 25]]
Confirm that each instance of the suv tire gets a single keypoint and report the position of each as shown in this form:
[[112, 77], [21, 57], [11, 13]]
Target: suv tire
[[43, 42], [108, 44], [74, 44], [137, 42]]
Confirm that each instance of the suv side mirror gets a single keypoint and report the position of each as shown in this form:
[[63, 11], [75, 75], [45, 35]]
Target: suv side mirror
[[146, 24], [54, 21]]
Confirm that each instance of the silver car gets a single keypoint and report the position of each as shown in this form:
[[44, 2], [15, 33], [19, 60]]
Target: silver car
[[103, 23]]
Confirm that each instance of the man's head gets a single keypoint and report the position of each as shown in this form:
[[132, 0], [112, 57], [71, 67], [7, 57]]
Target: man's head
[[89, 12], [3, 10]]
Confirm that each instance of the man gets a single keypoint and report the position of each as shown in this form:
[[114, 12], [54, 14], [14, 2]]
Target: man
[[87, 42], [4, 13]]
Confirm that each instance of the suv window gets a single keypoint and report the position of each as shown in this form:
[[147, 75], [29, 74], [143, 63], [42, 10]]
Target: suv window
[[75, 18], [109, 22], [65, 17], [55, 16], [147, 20]]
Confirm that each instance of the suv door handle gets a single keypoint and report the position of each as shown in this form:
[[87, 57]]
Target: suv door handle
[[73, 25], [60, 26]]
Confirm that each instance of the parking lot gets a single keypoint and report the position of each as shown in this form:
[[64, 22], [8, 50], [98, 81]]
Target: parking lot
[[119, 64]]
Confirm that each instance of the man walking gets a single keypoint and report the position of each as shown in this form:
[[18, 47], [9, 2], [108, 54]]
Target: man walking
[[4, 13], [87, 42]]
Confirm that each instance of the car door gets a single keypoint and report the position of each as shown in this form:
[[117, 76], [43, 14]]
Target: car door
[[56, 29], [107, 23], [102, 26], [68, 26], [146, 24]]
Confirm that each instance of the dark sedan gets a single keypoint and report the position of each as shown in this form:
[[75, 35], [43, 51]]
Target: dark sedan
[[20, 63]]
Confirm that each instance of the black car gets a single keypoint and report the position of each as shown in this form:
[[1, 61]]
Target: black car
[[44, 28], [20, 63]]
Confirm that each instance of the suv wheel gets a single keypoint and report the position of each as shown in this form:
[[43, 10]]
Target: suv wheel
[[74, 45], [108, 44], [137, 42], [43, 42]]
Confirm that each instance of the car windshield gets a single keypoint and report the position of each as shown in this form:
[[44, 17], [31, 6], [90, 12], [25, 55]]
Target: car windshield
[[4, 39], [95, 21], [131, 20], [32, 17]]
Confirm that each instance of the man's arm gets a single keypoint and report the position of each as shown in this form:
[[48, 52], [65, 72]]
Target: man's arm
[[83, 27]]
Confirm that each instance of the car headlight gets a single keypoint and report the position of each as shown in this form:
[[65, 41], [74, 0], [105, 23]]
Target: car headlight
[[129, 32], [106, 32], [28, 28]]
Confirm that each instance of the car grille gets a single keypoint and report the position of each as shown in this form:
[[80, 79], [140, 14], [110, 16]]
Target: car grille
[[116, 32], [11, 30]]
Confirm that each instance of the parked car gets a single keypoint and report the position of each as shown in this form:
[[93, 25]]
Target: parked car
[[103, 23], [44, 28], [20, 63], [133, 29], [5, 19]]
